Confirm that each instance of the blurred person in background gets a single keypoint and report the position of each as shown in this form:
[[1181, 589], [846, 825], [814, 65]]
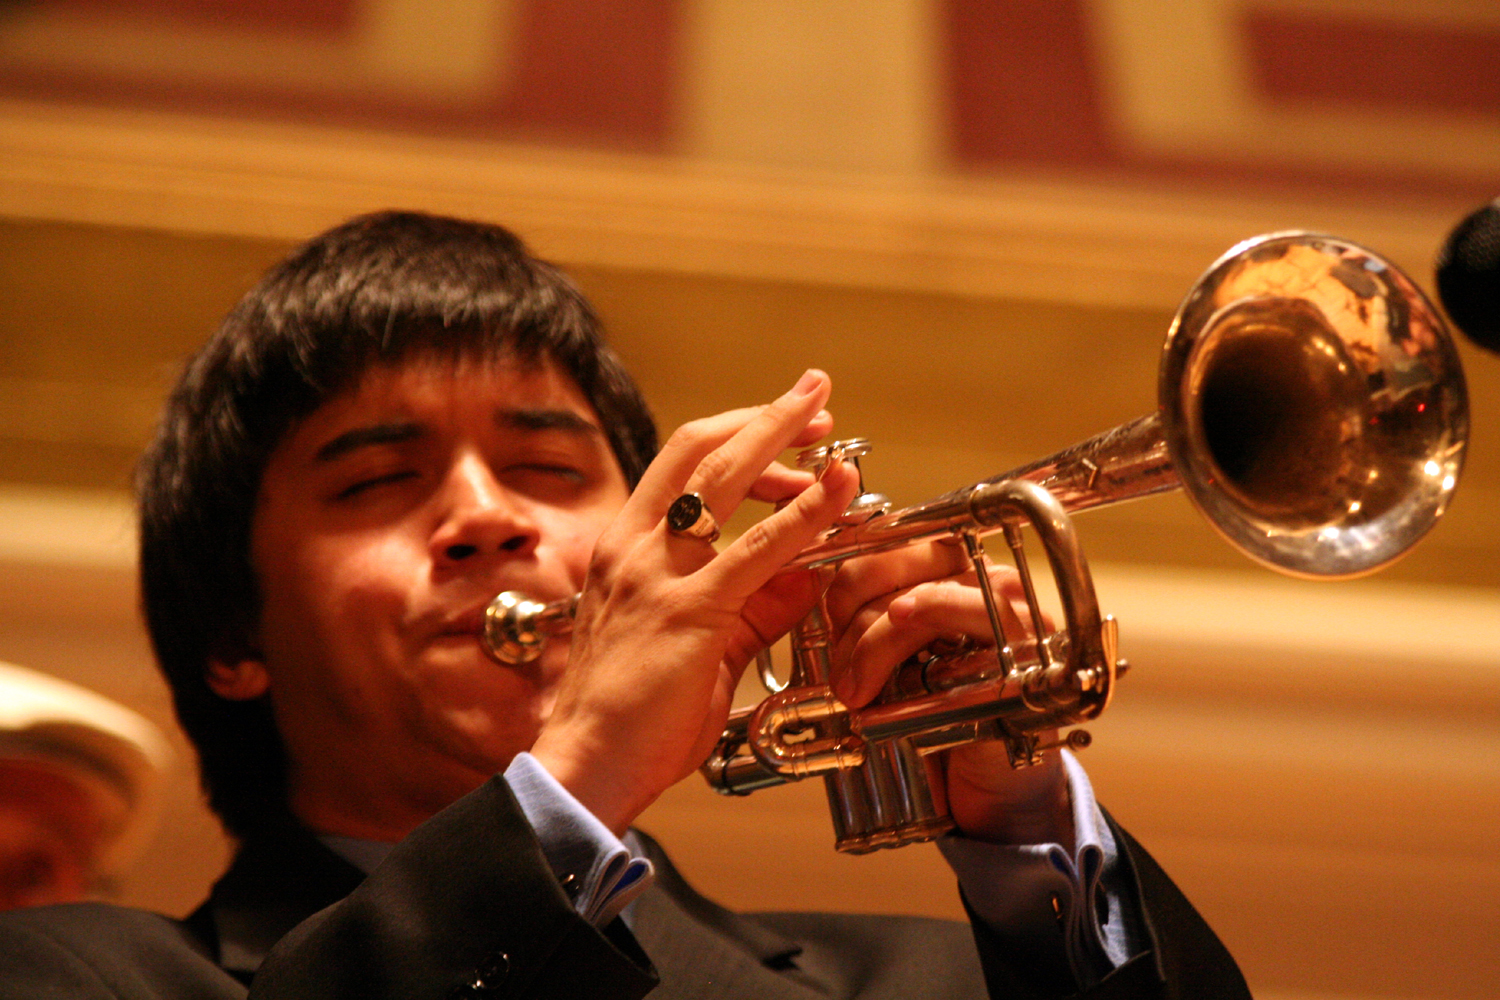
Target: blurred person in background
[[79, 777]]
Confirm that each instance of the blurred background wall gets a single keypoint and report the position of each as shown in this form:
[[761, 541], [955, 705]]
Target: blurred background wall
[[978, 215]]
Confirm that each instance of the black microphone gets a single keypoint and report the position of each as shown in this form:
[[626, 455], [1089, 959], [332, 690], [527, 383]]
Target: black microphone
[[1468, 276]]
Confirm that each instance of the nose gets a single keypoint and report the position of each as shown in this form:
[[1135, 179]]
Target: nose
[[480, 519]]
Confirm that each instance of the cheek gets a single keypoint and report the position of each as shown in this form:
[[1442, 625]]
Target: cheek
[[375, 579], [328, 599], [574, 540]]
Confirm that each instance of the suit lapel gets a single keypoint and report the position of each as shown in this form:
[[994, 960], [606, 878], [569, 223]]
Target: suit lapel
[[276, 881], [702, 950]]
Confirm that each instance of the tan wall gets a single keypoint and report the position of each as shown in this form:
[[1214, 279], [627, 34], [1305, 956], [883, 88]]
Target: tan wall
[[1317, 764]]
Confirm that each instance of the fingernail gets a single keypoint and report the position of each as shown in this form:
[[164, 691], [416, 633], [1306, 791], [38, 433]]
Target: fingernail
[[809, 381]]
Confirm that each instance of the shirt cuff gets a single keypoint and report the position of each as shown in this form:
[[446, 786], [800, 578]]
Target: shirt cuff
[[594, 867], [1038, 895]]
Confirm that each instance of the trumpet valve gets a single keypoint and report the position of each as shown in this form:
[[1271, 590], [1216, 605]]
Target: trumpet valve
[[866, 504]]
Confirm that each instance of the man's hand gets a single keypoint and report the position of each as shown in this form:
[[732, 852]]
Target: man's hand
[[888, 607], [666, 625]]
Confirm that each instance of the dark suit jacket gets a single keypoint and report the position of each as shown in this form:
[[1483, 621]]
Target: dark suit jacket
[[467, 907]]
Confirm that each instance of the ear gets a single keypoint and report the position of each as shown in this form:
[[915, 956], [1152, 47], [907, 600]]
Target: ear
[[244, 679]]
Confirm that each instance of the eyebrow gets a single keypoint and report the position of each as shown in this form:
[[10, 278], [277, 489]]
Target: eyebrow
[[363, 437], [397, 433], [548, 420]]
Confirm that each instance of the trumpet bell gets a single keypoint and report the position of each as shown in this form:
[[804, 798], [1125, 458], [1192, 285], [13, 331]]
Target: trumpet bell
[[1313, 405]]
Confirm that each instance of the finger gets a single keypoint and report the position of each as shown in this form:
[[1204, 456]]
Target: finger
[[1011, 596], [873, 648], [675, 461], [848, 632], [724, 476], [772, 611], [675, 469], [817, 428], [957, 610], [912, 621], [861, 581], [751, 560], [779, 483], [865, 587]]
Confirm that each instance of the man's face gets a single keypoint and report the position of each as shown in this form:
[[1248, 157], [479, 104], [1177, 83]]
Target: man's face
[[386, 521]]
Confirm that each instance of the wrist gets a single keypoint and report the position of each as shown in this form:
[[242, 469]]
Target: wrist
[[564, 759], [604, 791], [1034, 807]]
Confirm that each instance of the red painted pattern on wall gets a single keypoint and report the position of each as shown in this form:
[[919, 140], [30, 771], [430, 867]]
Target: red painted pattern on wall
[[1023, 88], [1375, 63], [1025, 93], [1023, 84], [607, 70], [321, 16], [583, 74]]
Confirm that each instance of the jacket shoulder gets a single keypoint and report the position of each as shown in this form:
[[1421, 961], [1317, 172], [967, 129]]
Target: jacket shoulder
[[89, 950]]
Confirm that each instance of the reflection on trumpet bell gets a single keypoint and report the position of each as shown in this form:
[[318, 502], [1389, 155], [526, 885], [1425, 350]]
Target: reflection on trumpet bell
[[1314, 405], [1311, 404]]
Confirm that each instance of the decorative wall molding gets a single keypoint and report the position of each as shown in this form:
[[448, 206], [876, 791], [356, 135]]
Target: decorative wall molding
[[1079, 241]]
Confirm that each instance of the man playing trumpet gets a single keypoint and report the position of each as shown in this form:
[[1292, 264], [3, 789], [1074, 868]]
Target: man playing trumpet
[[406, 417]]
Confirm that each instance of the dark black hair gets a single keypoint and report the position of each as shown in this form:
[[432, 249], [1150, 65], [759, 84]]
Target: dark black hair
[[380, 288]]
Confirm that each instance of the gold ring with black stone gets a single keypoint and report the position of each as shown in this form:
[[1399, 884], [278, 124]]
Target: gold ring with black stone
[[689, 517]]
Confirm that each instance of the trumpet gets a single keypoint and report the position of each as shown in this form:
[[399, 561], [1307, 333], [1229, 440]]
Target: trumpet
[[1312, 405]]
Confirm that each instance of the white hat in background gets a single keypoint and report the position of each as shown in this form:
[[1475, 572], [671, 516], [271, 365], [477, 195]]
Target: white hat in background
[[80, 778]]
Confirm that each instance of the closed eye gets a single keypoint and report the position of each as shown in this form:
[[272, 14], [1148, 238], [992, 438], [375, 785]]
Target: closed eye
[[562, 471], [364, 485], [546, 481]]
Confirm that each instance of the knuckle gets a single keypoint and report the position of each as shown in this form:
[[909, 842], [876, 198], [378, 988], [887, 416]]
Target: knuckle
[[693, 431], [937, 598], [691, 438], [758, 540], [602, 561], [715, 466]]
